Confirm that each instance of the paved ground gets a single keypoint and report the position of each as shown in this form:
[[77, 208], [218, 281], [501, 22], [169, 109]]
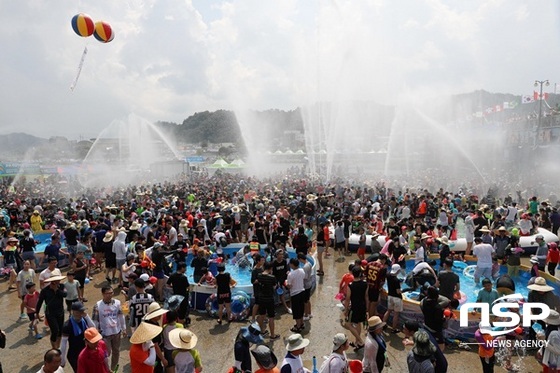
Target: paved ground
[[24, 354]]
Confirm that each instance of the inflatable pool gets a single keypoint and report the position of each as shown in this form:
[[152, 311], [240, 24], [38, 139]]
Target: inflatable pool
[[528, 243], [468, 293], [201, 293]]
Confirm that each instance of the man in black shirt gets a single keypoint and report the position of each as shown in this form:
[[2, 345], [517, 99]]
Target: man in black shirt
[[198, 263], [180, 284], [448, 280], [53, 296], [280, 271], [267, 285], [73, 335]]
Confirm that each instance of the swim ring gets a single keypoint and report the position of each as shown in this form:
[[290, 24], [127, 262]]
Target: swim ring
[[459, 264], [240, 305], [460, 296], [469, 271], [212, 305]]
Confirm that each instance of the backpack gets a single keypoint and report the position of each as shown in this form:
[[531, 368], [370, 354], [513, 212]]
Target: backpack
[[325, 367]]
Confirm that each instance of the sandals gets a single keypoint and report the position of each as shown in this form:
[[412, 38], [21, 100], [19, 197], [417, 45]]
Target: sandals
[[320, 273], [219, 321], [274, 337], [352, 344], [295, 328]]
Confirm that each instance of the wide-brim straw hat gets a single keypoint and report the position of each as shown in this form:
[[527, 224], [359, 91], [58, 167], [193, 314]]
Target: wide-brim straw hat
[[184, 223], [311, 197], [444, 240], [484, 229], [55, 278], [425, 236], [108, 237], [540, 285], [235, 209], [145, 332], [154, 310], [183, 338], [134, 226]]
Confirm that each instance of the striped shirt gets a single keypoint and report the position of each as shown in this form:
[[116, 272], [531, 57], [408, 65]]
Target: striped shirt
[[138, 305]]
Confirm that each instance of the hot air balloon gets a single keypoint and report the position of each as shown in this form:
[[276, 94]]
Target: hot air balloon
[[103, 32], [82, 25]]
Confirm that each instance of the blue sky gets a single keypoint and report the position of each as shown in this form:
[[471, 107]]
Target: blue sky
[[172, 58]]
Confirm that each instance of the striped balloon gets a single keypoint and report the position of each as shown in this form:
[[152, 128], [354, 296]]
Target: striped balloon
[[82, 25], [103, 32]]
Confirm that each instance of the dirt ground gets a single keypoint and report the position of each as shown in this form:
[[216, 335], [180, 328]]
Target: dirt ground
[[24, 354]]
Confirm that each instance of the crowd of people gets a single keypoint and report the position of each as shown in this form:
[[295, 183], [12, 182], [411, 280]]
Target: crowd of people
[[142, 239]]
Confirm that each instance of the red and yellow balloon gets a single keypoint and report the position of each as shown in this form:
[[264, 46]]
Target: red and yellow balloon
[[83, 25], [103, 32]]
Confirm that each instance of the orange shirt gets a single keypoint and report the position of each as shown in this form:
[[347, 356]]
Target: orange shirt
[[137, 358]]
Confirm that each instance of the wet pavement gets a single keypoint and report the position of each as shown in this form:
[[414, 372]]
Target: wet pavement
[[24, 354]]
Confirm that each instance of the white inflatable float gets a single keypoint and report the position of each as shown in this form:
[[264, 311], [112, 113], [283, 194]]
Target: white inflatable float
[[528, 243]]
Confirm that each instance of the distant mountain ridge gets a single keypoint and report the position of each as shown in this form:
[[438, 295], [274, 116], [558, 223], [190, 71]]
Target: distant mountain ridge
[[221, 126]]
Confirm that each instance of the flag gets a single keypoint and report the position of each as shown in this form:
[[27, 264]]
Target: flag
[[526, 99], [538, 97]]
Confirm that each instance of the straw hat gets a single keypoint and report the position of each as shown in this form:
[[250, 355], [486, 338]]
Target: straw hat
[[540, 285], [108, 237], [311, 197], [425, 236], [12, 239], [265, 357], [235, 209], [55, 278], [183, 338], [484, 229], [422, 344], [210, 204], [444, 240], [296, 342], [375, 322], [184, 223], [154, 310], [135, 226], [502, 229], [145, 332]]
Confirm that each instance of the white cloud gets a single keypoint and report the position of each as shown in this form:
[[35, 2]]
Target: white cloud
[[174, 57]]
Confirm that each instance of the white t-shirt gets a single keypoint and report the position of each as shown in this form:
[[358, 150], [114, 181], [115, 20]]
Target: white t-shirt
[[483, 252], [420, 267], [47, 274], [24, 278], [419, 255], [295, 280]]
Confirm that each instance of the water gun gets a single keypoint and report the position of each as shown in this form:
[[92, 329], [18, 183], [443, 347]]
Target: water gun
[[315, 370], [116, 370]]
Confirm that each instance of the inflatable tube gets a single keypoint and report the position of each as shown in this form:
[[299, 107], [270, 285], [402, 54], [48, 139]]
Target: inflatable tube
[[240, 305], [459, 265], [469, 271], [212, 305], [412, 295], [461, 297], [173, 302]]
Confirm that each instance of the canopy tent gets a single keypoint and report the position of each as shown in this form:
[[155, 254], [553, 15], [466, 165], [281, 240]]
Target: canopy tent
[[220, 163]]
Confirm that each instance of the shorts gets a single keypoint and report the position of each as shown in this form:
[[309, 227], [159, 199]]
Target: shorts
[[394, 304], [307, 295], [267, 308], [28, 255], [169, 357], [120, 263], [69, 304], [244, 226], [31, 316], [298, 305], [159, 274], [362, 251], [320, 249], [373, 294], [340, 245], [81, 280], [357, 316], [72, 249], [224, 298]]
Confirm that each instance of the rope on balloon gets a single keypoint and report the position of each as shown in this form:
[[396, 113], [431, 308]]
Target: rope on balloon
[[75, 82]]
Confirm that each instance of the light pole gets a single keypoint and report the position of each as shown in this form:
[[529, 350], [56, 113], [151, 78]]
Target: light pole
[[540, 83]]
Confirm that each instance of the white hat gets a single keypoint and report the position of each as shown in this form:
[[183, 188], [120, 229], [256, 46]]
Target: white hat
[[339, 340], [296, 342], [553, 318], [183, 338], [395, 268], [425, 236], [154, 310], [54, 278], [444, 240]]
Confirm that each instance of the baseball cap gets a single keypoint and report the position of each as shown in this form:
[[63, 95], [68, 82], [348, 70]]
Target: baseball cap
[[92, 335], [78, 306]]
